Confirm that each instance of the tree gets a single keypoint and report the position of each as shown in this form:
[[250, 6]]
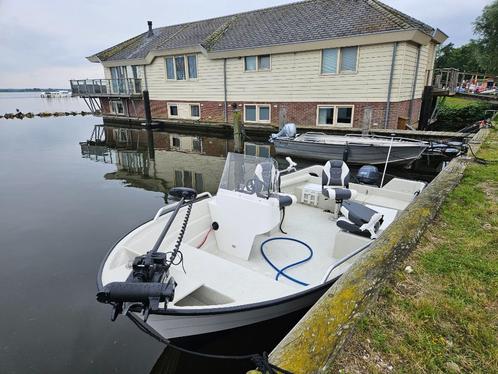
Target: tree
[[486, 26], [479, 55]]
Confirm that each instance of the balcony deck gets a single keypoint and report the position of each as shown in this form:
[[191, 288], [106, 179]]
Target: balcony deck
[[109, 88]]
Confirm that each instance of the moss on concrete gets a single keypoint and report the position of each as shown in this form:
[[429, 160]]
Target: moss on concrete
[[316, 340], [441, 314]]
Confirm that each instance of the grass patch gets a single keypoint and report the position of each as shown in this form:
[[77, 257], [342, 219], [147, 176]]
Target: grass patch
[[443, 317], [459, 102]]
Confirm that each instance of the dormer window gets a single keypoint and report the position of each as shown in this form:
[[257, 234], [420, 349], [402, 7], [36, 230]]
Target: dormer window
[[181, 67], [257, 63]]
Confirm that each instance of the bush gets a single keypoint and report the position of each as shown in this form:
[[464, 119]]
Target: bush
[[471, 113]]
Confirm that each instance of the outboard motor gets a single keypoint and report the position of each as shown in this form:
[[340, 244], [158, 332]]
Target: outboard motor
[[288, 131], [368, 174]]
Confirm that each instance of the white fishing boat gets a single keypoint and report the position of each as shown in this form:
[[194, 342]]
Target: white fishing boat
[[269, 243]]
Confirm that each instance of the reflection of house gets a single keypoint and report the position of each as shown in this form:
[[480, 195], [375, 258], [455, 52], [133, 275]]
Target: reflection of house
[[316, 62]]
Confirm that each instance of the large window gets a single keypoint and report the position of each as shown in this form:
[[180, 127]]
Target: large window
[[257, 113], [181, 67], [335, 115], [339, 60], [255, 63], [187, 178]]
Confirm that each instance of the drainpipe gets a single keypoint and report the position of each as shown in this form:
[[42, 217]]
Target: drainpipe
[[145, 77], [414, 86], [225, 107], [390, 87]]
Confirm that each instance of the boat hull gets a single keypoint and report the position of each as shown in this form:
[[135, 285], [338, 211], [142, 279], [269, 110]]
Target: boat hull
[[180, 324], [359, 154]]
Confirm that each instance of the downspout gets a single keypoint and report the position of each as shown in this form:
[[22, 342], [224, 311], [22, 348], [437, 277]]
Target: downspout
[[414, 86], [390, 87], [225, 106], [145, 78]]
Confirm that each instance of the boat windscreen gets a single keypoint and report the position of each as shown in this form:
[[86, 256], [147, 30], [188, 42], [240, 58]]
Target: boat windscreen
[[249, 174]]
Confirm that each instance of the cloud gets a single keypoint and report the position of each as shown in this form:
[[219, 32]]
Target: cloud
[[44, 43]]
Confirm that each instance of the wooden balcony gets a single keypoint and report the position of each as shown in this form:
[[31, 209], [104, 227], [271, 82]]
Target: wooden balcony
[[94, 88]]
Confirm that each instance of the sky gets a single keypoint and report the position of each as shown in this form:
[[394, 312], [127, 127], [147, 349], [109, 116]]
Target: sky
[[43, 43]]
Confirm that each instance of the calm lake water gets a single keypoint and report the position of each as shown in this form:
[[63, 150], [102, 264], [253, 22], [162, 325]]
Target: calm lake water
[[62, 206]]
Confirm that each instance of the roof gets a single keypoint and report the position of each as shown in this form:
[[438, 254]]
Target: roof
[[301, 22]]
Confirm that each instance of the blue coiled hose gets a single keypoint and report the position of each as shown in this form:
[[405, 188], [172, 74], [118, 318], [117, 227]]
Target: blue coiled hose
[[282, 271]]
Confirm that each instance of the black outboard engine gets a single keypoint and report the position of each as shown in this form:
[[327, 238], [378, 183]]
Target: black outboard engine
[[149, 283], [368, 174]]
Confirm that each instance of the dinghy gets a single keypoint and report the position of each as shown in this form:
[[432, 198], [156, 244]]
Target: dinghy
[[268, 244], [355, 149]]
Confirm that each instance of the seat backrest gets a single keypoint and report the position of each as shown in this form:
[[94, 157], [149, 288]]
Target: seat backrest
[[266, 176], [335, 173]]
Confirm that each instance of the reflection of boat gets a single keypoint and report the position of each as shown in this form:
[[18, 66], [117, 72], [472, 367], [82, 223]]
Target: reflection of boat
[[358, 149], [237, 269]]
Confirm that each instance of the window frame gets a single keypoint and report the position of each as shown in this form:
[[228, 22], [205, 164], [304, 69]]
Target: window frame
[[190, 107], [257, 113], [169, 110], [336, 113], [111, 107], [257, 57], [186, 65], [339, 59]]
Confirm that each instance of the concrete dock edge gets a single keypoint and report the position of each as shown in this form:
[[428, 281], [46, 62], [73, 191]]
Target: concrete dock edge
[[312, 345]]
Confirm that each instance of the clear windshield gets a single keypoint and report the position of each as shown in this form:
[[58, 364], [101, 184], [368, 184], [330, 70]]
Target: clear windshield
[[249, 174]]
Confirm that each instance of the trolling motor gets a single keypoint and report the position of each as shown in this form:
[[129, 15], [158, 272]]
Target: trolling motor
[[149, 283]]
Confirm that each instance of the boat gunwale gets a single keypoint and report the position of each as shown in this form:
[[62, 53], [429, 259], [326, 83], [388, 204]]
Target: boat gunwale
[[214, 311]]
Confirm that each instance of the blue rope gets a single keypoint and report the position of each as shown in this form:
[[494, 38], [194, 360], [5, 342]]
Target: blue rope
[[282, 271]]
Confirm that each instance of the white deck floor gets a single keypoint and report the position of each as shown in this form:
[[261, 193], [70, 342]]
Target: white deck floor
[[310, 225]]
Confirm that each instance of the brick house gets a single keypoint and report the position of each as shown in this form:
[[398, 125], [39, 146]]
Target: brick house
[[316, 63]]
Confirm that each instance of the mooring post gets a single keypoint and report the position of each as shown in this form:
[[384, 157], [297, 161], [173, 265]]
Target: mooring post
[[238, 140], [148, 115]]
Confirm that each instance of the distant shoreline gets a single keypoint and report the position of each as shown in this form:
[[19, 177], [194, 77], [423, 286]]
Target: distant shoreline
[[33, 89]]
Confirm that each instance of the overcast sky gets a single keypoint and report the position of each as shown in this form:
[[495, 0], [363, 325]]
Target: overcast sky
[[43, 43]]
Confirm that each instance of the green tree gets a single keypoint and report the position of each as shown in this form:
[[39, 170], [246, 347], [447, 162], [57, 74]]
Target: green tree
[[486, 26]]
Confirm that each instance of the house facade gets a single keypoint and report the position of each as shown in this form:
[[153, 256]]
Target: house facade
[[323, 63]]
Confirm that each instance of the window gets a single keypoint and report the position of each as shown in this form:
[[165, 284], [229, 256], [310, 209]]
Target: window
[[254, 63], [180, 68], [335, 115], [195, 111], [192, 66], [326, 116], [177, 67], [170, 68], [344, 115], [257, 113], [347, 57], [176, 142], [329, 61], [187, 178], [264, 62], [173, 110], [117, 107]]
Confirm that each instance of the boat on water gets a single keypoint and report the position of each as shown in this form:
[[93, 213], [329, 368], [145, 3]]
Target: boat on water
[[268, 244], [52, 94], [356, 149]]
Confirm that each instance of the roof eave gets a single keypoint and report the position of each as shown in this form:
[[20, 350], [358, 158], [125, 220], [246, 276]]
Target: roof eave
[[439, 36], [93, 58]]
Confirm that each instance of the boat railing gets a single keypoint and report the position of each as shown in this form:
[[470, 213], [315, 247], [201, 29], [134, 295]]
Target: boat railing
[[336, 264], [395, 138], [170, 207]]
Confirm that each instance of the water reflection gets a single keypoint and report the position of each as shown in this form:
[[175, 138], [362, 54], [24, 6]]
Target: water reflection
[[158, 160]]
